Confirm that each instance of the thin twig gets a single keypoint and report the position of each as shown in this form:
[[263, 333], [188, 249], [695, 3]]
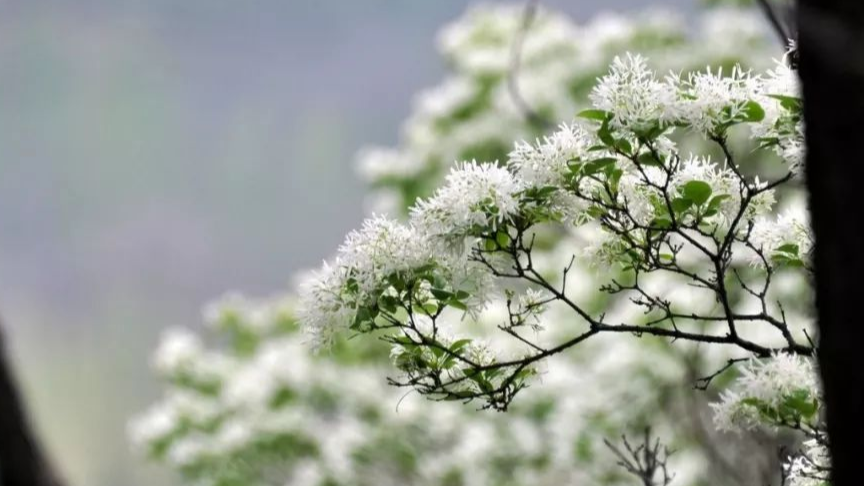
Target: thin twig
[[528, 16], [778, 25]]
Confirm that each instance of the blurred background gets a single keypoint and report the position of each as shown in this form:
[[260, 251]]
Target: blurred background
[[157, 153]]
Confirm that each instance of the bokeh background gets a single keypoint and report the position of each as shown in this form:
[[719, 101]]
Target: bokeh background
[[157, 153]]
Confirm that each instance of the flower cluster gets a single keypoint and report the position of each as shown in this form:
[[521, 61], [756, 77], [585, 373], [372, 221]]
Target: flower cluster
[[381, 268], [491, 279], [780, 391], [785, 240], [474, 196], [473, 113], [706, 101], [621, 170], [283, 415], [811, 466]]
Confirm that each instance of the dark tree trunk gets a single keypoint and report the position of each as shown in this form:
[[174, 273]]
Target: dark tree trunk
[[22, 462], [831, 48]]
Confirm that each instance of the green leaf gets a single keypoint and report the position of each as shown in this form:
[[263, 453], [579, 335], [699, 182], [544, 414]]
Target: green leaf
[[801, 403], [651, 133], [790, 248], [597, 165], [623, 146], [605, 134], [662, 222], [503, 239], [715, 201], [681, 204], [697, 191], [787, 260], [364, 315], [442, 294], [459, 344], [396, 281], [790, 103], [403, 340], [599, 115], [753, 112], [615, 178], [457, 304], [388, 303], [437, 350], [714, 205], [648, 159], [282, 397]]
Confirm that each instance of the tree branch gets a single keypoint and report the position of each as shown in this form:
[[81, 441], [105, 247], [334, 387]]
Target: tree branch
[[22, 460]]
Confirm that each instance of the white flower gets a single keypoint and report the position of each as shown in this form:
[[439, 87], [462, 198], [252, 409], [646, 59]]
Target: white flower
[[711, 99], [278, 364], [379, 249], [790, 229], [179, 348], [632, 93], [258, 316], [378, 165], [382, 247], [323, 312], [445, 99], [742, 30], [770, 381], [153, 426], [782, 126], [232, 436], [546, 163], [781, 80], [480, 43], [187, 451], [810, 467], [307, 473], [473, 196]]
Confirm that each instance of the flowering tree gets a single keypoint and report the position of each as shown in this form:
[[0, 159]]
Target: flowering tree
[[659, 212], [513, 271]]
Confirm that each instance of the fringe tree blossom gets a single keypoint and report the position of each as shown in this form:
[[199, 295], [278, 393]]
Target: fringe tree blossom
[[711, 101], [547, 163], [284, 415], [480, 294], [619, 169], [785, 240], [779, 391], [376, 269], [474, 196], [782, 129], [633, 94], [481, 41], [811, 466], [472, 113]]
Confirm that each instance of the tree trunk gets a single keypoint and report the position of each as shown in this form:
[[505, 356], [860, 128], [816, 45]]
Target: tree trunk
[[831, 49], [22, 462]]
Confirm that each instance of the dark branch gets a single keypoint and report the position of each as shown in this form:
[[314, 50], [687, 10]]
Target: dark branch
[[647, 461], [22, 460]]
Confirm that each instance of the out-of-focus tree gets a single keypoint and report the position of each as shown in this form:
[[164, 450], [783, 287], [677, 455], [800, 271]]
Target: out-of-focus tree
[[621, 223]]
